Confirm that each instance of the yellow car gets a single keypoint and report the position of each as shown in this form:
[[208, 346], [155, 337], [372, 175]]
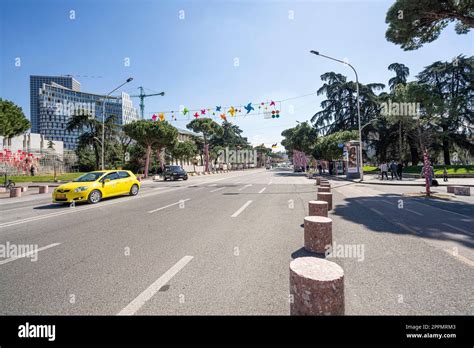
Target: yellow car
[[94, 186]]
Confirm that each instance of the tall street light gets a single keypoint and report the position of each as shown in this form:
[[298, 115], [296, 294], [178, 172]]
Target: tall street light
[[361, 162], [103, 119]]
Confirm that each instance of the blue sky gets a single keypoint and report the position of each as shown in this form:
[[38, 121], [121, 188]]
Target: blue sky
[[192, 59]]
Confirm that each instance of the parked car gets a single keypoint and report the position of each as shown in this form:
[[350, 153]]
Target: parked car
[[94, 186], [298, 169], [175, 173]]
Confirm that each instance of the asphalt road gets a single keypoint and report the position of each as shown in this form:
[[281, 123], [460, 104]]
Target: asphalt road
[[222, 244]]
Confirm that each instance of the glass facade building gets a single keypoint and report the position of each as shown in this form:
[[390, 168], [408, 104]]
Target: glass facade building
[[56, 104]]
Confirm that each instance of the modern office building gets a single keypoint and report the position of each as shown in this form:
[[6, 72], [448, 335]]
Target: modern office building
[[54, 104], [36, 83]]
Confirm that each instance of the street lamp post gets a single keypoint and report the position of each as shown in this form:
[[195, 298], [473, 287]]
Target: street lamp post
[[361, 161], [103, 120]]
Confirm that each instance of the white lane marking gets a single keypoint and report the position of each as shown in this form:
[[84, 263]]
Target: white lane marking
[[148, 293], [103, 204], [460, 257], [412, 211], [262, 190], [244, 187], [446, 210], [28, 253], [169, 205], [456, 228], [212, 185], [159, 188], [376, 211], [242, 208], [409, 229], [218, 189], [270, 182]]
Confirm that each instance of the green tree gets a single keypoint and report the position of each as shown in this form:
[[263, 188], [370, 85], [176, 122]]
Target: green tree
[[339, 110], [411, 24], [231, 136], [207, 127], [327, 147], [401, 74], [151, 134], [447, 100], [303, 138], [91, 133], [184, 151], [12, 120]]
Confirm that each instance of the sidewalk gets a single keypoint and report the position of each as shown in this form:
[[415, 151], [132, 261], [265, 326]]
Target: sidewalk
[[372, 179]]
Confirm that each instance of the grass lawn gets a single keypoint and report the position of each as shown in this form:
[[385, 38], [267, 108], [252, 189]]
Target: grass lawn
[[40, 178], [466, 169]]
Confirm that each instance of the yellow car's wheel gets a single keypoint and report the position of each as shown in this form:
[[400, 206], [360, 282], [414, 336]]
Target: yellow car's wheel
[[134, 190], [94, 197]]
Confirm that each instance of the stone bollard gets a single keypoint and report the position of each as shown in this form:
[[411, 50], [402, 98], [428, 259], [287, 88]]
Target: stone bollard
[[326, 184], [24, 188], [327, 197], [318, 208], [317, 233], [324, 189], [15, 192], [43, 189], [318, 180], [3, 190], [316, 287]]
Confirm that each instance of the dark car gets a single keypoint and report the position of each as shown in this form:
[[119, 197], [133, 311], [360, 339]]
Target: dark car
[[298, 169], [175, 173]]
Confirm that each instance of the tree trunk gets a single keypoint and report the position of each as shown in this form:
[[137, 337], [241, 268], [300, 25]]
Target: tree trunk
[[400, 140], [415, 158], [147, 161], [447, 157]]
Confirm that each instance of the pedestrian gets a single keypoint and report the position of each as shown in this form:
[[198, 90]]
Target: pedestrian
[[320, 169], [400, 170], [445, 174], [393, 169], [384, 169], [32, 170]]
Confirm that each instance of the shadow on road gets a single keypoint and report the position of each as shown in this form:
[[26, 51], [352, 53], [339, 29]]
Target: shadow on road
[[302, 252], [422, 215]]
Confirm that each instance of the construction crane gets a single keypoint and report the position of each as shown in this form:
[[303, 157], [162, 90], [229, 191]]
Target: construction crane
[[142, 97]]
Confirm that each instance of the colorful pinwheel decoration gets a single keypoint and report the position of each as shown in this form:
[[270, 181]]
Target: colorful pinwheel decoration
[[223, 116], [249, 108], [161, 116], [185, 111], [153, 117], [231, 111], [196, 115]]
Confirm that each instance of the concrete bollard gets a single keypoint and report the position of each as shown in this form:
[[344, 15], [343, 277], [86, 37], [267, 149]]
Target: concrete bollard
[[324, 189], [15, 192], [316, 287], [317, 233], [318, 208], [43, 189], [24, 188], [326, 184], [3, 190], [318, 180], [327, 197]]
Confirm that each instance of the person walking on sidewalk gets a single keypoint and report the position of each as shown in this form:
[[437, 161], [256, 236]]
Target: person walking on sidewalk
[[445, 174], [400, 170], [384, 169], [393, 169]]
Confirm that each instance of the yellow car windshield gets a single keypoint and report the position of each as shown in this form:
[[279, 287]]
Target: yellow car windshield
[[89, 177]]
